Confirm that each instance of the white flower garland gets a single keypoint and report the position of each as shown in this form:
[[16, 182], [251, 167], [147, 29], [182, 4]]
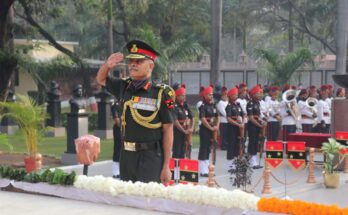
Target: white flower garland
[[188, 193]]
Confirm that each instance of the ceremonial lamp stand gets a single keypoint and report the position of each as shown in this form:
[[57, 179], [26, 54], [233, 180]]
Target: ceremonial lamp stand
[[311, 177], [266, 186]]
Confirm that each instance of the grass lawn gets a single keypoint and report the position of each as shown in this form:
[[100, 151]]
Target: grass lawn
[[56, 146]]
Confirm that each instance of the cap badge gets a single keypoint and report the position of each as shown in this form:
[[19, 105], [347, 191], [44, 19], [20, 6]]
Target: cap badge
[[134, 49]]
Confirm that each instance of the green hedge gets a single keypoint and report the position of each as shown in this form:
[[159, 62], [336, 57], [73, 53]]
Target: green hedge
[[57, 176]]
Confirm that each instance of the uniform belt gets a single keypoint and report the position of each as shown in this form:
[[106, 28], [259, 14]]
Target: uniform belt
[[256, 116], [326, 114], [234, 117], [208, 118], [182, 122], [306, 117], [134, 147]]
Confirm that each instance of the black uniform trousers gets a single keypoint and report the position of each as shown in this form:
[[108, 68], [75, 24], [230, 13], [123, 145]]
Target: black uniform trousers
[[232, 141], [307, 128], [117, 143], [179, 144], [320, 129], [145, 166], [205, 136], [254, 138], [223, 135], [288, 129], [273, 128]]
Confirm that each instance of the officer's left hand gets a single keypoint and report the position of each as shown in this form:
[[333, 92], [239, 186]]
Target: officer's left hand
[[166, 175]]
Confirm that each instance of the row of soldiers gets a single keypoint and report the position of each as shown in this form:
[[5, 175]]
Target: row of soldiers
[[241, 113]]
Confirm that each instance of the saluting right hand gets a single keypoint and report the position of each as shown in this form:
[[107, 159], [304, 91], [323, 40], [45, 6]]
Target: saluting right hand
[[114, 60]]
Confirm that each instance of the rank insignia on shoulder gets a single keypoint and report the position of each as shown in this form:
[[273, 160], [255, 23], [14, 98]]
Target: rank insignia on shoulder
[[143, 103], [170, 103]]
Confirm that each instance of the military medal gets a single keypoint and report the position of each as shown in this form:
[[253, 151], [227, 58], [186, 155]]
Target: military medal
[[143, 103]]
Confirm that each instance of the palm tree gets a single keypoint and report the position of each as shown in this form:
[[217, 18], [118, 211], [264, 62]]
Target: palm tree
[[279, 69], [180, 50]]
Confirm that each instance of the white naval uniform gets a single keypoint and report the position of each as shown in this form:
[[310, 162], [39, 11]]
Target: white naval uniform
[[243, 104], [286, 118], [288, 122], [306, 111], [198, 105], [273, 105], [324, 111], [221, 107], [264, 110]]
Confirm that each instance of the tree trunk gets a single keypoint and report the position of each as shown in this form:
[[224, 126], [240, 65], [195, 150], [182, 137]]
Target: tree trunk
[[244, 33], [342, 36], [110, 33], [235, 50], [8, 62], [216, 40], [291, 31], [124, 21]]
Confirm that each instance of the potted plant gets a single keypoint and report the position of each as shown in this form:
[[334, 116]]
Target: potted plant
[[30, 118], [330, 150]]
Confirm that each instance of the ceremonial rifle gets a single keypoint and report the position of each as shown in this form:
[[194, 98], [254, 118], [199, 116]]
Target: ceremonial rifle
[[214, 141], [188, 139]]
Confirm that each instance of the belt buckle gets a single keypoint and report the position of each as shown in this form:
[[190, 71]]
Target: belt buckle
[[129, 146]]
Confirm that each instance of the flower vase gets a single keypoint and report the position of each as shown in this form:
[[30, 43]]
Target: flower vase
[[331, 180], [33, 162]]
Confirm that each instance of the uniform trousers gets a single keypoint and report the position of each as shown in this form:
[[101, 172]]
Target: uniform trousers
[[254, 138], [179, 144], [307, 128], [232, 141], [223, 135], [117, 143], [320, 129], [205, 136], [288, 129], [273, 128], [144, 166]]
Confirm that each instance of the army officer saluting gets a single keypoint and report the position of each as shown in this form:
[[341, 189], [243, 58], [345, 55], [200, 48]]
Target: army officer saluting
[[147, 124]]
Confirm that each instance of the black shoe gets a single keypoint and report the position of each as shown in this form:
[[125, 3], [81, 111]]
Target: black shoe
[[257, 167], [204, 175], [116, 176]]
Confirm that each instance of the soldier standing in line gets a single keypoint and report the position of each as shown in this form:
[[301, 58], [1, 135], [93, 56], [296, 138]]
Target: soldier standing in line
[[243, 100], [235, 128], [255, 124], [115, 111], [307, 114], [221, 106], [324, 111], [312, 92], [210, 124], [147, 123], [273, 125], [183, 124], [288, 120]]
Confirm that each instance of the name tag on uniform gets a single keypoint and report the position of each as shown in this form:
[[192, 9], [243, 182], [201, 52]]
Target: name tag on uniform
[[143, 103]]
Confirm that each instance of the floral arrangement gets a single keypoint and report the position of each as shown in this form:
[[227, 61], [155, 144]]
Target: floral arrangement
[[57, 176], [188, 193], [296, 207]]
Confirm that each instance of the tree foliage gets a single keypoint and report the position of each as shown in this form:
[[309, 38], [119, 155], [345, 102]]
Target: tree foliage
[[279, 69]]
